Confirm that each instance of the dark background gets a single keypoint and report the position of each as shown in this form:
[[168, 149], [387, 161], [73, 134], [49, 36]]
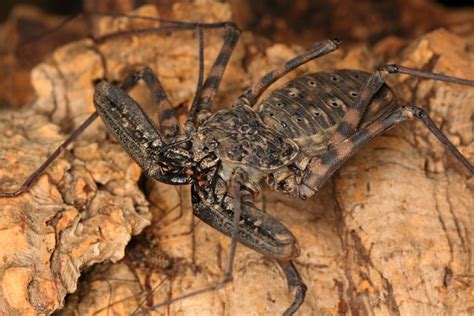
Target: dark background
[[75, 6]]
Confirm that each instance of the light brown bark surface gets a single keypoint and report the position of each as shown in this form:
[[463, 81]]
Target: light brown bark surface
[[390, 234]]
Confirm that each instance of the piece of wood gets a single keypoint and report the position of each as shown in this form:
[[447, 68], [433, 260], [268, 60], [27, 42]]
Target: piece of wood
[[390, 234]]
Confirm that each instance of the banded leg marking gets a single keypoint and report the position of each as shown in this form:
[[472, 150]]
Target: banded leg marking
[[167, 120], [209, 89], [251, 95], [353, 116], [322, 168]]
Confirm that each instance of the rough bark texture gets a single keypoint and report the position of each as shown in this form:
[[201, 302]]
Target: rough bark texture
[[391, 234]]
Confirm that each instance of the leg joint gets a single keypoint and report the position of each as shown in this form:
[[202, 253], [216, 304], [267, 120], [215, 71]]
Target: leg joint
[[232, 27], [414, 111], [390, 68]]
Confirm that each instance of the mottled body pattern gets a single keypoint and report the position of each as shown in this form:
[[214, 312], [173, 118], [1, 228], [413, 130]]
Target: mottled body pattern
[[294, 140], [292, 125]]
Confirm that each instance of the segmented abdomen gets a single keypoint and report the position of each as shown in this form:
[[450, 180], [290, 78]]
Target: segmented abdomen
[[309, 108]]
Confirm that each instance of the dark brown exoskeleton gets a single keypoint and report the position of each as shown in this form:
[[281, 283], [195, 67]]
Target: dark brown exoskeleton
[[294, 140]]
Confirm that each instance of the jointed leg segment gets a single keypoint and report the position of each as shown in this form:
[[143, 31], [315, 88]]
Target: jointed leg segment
[[250, 97], [397, 69], [209, 89], [353, 116], [167, 120], [61, 148], [320, 169]]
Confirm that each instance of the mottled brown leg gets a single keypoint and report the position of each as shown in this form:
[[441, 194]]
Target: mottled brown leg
[[351, 120], [251, 95], [319, 170], [200, 80], [168, 123], [202, 104]]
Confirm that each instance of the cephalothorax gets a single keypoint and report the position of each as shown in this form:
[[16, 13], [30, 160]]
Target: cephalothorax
[[294, 140]]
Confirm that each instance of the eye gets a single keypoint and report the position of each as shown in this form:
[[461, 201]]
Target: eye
[[334, 78], [312, 83]]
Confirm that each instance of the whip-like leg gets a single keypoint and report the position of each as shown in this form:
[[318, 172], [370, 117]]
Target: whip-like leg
[[129, 82]]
